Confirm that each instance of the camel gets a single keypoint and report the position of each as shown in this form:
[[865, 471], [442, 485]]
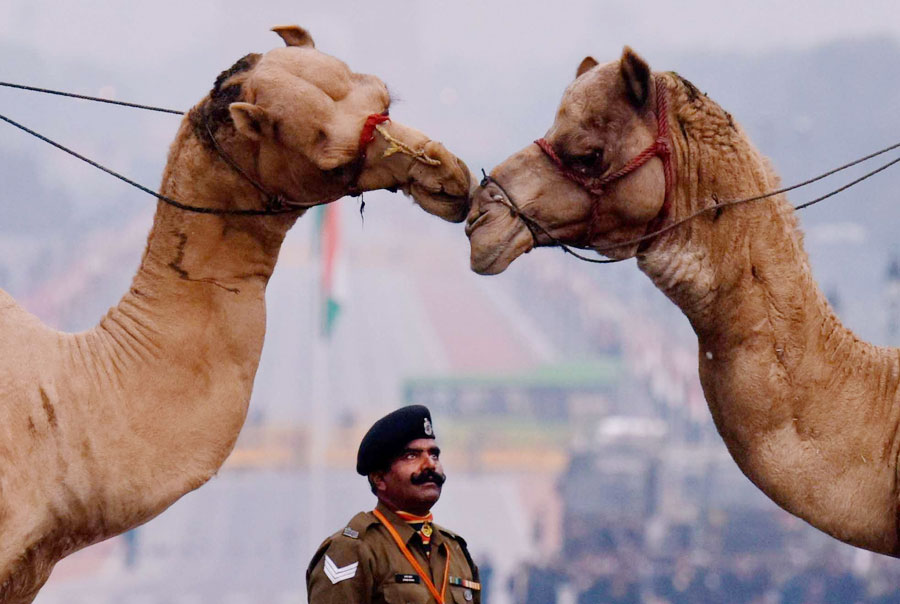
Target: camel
[[101, 431], [809, 412]]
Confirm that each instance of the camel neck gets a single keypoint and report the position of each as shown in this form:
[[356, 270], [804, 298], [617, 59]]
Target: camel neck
[[173, 363], [741, 275], [225, 251], [781, 374], [203, 277], [704, 263]]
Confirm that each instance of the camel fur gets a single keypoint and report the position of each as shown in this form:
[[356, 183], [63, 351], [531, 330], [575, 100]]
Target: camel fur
[[101, 431], [809, 412]]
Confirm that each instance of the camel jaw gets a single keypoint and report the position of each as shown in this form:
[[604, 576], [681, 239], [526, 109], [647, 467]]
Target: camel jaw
[[496, 239]]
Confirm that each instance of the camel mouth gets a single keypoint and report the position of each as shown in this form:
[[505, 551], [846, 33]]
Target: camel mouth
[[442, 190], [447, 206], [473, 223], [494, 245]]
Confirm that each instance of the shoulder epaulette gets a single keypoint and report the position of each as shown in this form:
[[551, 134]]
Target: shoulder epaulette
[[354, 529], [358, 525], [449, 533]]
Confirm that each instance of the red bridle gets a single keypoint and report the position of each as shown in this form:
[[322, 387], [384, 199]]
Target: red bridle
[[366, 136], [661, 148]]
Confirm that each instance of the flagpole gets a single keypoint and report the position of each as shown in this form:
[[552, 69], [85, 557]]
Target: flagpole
[[319, 392]]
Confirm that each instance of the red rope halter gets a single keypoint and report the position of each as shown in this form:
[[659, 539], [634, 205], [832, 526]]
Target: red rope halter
[[367, 134], [661, 148]]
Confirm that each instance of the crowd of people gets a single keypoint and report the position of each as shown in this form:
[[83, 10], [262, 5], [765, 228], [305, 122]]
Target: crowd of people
[[692, 576]]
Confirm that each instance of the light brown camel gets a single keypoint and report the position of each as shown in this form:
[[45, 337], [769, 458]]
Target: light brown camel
[[808, 411], [101, 431]]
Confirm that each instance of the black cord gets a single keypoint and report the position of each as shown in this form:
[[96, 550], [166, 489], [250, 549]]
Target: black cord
[[720, 205], [160, 196], [91, 98]]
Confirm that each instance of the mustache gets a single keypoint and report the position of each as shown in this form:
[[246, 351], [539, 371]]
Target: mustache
[[428, 476]]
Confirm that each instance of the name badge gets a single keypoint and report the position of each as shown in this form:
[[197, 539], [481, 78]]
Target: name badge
[[407, 578]]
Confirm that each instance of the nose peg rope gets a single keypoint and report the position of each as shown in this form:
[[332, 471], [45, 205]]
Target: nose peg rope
[[398, 146]]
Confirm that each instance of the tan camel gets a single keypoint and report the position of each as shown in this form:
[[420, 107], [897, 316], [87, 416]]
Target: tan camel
[[808, 411], [101, 431]]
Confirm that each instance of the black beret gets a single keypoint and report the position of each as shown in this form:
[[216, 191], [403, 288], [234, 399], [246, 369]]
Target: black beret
[[388, 436]]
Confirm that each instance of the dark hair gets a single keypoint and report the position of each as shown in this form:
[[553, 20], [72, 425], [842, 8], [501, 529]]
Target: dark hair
[[213, 112]]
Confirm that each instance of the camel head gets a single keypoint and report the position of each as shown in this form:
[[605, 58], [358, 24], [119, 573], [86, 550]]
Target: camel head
[[310, 130], [569, 187]]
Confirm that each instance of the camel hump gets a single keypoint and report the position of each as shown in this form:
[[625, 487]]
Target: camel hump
[[294, 35]]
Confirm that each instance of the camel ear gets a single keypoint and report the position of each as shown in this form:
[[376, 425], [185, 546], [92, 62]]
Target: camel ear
[[294, 35], [636, 76], [587, 64], [250, 120]]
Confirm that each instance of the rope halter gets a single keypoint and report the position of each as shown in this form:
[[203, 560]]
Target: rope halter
[[367, 136], [661, 147]]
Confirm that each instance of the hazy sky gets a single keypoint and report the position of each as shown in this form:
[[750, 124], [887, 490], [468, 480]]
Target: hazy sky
[[116, 34]]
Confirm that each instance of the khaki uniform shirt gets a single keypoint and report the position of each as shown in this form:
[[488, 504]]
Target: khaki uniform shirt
[[362, 564]]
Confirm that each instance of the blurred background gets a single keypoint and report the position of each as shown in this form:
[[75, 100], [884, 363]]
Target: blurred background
[[582, 461]]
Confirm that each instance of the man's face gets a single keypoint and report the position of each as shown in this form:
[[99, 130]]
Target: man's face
[[414, 480]]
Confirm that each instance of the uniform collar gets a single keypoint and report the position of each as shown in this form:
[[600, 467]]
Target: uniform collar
[[405, 531]]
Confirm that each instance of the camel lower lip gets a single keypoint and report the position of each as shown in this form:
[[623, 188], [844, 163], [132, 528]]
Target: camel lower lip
[[460, 203]]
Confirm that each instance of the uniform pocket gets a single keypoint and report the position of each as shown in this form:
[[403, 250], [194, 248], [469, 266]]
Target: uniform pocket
[[460, 594], [406, 593]]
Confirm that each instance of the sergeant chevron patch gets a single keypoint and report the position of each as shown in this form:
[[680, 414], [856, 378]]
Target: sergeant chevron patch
[[339, 573]]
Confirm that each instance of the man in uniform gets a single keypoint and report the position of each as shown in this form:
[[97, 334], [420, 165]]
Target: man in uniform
[[395, 554]]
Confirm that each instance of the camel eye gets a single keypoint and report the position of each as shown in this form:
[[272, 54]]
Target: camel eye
[[590, 162]]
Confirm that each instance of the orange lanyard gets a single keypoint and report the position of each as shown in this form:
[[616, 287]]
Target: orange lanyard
[[415, 564]]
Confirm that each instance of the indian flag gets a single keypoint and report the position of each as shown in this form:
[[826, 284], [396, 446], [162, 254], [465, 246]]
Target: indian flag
[[332, 278]]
